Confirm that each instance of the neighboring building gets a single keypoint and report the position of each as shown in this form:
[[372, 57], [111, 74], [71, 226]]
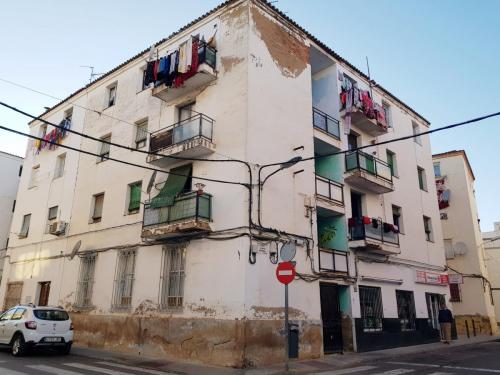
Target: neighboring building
[[470, 289], [491, 241], [182, 267], [10, 171]]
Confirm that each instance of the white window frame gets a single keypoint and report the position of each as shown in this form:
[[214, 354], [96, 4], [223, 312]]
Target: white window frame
[[124, 279], [104, 148], [438, 165], [93, 217], [35, 173], [86, 277], [111, 90], [141, 134], [172, 279], [416, 130], [388, 113], [421, 172], [25, 226], [60, 166]]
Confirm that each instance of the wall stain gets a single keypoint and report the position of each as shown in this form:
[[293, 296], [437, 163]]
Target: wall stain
[[206, 311], [146, 307], [290, 54], [236, 17], [264, 312], [229, 62]]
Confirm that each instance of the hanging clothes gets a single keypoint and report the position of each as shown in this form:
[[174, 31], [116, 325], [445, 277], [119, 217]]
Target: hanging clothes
[[149, 76], [189, 53], [156, 64], [183, 63]]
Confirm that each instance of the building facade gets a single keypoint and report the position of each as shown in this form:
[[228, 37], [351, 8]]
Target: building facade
[[491, 242], [470, 288], [180, 262], [10, 171]]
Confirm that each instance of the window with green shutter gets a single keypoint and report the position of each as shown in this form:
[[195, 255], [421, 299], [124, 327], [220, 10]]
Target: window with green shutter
[[135, 197]]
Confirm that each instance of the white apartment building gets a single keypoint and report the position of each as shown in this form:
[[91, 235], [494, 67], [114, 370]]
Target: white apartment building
[[491, 242], [181, 265], [10, 171], [470, 289]]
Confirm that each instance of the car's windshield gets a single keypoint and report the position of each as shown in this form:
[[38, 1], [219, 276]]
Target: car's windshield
[[51, 314]]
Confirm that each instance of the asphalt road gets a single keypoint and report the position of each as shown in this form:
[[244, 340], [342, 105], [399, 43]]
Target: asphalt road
[[476, 359], [46, 363]]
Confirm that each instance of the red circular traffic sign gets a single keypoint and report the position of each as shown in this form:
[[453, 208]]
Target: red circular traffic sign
[[285, 272]]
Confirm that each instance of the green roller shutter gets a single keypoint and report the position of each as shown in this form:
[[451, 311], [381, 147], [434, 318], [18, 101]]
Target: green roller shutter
[[173, 186], [135, 197]]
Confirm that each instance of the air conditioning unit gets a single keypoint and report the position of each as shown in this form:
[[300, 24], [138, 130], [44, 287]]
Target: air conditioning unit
[[57, 228]]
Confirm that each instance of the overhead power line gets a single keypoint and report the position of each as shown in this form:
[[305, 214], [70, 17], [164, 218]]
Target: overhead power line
[[119, 160], [315, 157]]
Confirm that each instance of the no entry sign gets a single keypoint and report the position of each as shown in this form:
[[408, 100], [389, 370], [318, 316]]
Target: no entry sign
[[285, 272]]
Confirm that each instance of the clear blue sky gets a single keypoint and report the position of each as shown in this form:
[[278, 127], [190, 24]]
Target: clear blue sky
[[440, 57]]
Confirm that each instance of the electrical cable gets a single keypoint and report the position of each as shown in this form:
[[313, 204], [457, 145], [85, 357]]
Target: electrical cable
[[477, 119], [119, 160]]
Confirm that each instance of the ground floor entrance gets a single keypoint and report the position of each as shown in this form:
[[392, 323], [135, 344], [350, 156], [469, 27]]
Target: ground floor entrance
[[433, 302], [332, 318]]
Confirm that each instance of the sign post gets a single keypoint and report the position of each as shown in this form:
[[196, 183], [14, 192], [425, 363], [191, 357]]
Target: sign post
[[285, 273]]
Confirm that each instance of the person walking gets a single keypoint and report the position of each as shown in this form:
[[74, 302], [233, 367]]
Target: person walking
[[445, 319]]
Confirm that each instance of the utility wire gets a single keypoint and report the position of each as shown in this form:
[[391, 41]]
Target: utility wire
[[119, 160], [114, 144], [390, 140]]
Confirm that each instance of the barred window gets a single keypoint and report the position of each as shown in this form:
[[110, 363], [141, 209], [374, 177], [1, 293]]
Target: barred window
[[406, 309], [172, 277], [455, 293], [86, 280], [141, 134], [370, 299], [124, 279]]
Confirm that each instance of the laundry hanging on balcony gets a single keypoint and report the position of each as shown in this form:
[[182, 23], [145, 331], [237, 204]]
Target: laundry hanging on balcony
[[178, 66], [52, 138], [175, 184]]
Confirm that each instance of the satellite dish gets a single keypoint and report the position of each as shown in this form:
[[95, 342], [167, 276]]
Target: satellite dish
[[460, 248], [151, 182], [75, 249], [287, 252]]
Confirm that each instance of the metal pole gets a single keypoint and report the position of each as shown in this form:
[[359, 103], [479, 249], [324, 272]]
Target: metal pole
[[287, 329]]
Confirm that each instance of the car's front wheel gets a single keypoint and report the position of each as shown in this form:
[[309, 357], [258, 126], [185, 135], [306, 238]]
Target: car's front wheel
[[18, 346]]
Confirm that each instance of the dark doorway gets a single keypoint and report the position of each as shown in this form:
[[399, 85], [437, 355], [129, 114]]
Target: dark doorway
[[332, 318], [43, 299], [356, 204], [352, 141]]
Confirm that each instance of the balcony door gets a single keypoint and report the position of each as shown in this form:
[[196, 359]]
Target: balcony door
[[331, 317], [188, 127], [356, 204]]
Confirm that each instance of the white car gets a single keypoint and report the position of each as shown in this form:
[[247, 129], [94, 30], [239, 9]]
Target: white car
[[27, 326]]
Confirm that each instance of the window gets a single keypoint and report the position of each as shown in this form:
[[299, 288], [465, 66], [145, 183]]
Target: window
[[406, 310], [20, 170], [42, 131], [18, 314], [428, 228], [53, 213], [448, 249], [422, 181], [34, 176], [352, 141], [14, 205], [391, 160], [124, 279], [112, 95], [455, 293], [97, 208], [25, 228], [68, 115], [105, 148], [172, 278], [60, 163], [186, 111], [141, 134], [416, 130], [7, 315], [387, 112], [397, 217], [134, 197], [86, 280], [437, 169], [370, 299]]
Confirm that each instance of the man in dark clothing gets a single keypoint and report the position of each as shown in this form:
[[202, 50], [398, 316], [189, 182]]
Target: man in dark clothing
[[445, 319]]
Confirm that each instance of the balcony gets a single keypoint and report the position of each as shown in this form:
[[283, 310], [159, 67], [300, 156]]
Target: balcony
[[371, 234], [333, 261], [190, 138], [325, 125], [366, 172], [195, 81], [189, 212], [364, 113], [330, 194]]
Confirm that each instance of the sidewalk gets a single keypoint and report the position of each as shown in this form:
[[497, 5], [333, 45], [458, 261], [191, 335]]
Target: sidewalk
[[329, 362]]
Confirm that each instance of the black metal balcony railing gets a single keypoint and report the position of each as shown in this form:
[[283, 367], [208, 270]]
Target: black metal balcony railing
[[329, 189], [187, 206], [333, 261], [197, 126], [326, 123], [375, 230], [359, 160], [206, 54]]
